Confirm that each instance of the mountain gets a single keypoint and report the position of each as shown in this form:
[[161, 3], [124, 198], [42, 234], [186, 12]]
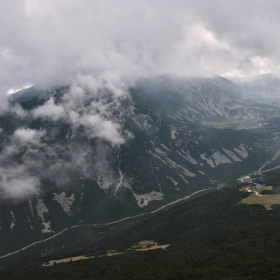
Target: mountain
[[206, 100], [216, 236], [26, 94], [265, 85], [84, 177]]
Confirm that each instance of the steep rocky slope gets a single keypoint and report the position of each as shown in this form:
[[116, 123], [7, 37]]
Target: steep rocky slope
[[150, 150]]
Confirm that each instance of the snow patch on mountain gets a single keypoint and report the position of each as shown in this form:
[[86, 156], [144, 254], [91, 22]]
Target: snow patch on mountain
[[165, 147], [41, 209], [159, 151], [64, 201], [208, 160], [13, 220], [172, 180], [186, 171], [30, 206], [144, 199], [232, 155], [28, 219], [103, 182], [187, 156], [241, 151], [220, 158], [173, 132]]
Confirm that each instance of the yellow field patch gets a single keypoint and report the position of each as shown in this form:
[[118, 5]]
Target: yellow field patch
[[66, 260], [147, 245], [154, 247], [113, 253], [142, 246], [265, 200]]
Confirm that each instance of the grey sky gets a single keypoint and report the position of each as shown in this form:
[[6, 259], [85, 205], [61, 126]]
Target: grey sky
[[50, 42]]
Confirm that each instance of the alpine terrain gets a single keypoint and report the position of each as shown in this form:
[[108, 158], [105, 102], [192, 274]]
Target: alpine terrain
[[83, 160]]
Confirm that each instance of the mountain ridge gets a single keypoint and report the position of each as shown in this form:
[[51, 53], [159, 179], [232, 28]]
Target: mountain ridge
[[167, 155], [265, 85]]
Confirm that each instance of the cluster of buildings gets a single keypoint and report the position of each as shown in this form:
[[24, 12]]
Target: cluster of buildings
[[248, 188]]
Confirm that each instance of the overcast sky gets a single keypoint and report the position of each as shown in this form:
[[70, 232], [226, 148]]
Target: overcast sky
[[50, 42]]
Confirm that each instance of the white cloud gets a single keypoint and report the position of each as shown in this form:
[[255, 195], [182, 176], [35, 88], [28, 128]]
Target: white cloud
[[49, 110], [16, 183], [91, 103], [96, 126], [53, 41], [27, 135]]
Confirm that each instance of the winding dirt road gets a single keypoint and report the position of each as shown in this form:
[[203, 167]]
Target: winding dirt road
[[106, 224]]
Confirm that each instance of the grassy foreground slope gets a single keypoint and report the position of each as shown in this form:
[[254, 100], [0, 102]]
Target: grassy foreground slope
[[211, 237]]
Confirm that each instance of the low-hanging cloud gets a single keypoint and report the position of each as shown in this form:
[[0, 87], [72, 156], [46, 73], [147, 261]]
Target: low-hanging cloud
[[16, 183], [18, 178], [49, 42], [27, 135], [30, 155], [50, 110], [89, 102]]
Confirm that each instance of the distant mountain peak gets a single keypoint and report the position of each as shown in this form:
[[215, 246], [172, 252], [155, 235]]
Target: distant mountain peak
[[265, 85]]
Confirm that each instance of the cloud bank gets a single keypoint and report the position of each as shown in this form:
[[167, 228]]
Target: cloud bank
[[50, 42]]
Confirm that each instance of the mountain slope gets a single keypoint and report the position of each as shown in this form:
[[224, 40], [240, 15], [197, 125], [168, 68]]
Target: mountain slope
[[205, 100], [266, 85], [25, 94], [86, 179], [212, 237]]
